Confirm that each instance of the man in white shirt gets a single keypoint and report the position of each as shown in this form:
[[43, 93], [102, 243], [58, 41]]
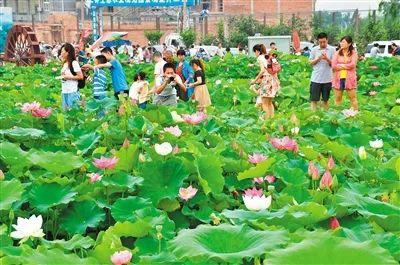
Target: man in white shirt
[[158, 69], [192, 51], [375, 50], [220, 51]]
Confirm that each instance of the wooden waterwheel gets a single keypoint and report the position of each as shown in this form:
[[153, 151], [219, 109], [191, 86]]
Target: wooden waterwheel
[[22, 46]]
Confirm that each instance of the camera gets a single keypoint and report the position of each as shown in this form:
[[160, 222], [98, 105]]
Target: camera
[[171, 78]]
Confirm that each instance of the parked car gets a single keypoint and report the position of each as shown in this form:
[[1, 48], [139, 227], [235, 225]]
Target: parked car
[[385, 49]]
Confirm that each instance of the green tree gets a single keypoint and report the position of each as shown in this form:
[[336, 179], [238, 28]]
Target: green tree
[[188, 37], [154, 36], [221, 32], [391, 13], [208, 39]]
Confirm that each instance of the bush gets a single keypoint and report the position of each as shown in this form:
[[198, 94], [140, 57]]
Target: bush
[[154, 36], [188, 37], [208, 39]]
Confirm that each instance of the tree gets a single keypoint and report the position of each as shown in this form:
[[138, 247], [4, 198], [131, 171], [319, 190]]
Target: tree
[[188, 37], [221, 32], [154, 36], [391, 11], [208, 39]]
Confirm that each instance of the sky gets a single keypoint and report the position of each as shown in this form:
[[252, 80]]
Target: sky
[[346, 4]]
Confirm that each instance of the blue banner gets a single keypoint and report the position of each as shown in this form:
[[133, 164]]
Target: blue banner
[[139, 3], [6, 23]]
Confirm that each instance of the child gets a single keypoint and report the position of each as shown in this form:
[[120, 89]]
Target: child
[[99, 78], [201, 94], [117, 72], [139, 90]]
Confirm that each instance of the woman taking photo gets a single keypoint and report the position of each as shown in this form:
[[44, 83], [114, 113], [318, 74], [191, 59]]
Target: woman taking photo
[[70, 74], [344, 63]]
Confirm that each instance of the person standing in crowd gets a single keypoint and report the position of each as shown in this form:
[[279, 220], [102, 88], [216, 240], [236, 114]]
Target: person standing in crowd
[[201, 94], [147, 55], [70, 74], [220, 51], [159, 64], [272, 47], [139, 90], [118, 77], [321, 77], [192, 51], [395, 49], [169, 56], [167, 86], [344, 77], [228, 53], [99, 78], [260, 52], [185, 72], [375, 50]]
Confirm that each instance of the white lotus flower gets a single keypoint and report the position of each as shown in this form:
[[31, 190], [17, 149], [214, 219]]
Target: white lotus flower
[[349, 113], [397, 100], [378, 143], [295, 130], [255, 200], [176, 117], [26, 228], [218, 82], [163, 149]]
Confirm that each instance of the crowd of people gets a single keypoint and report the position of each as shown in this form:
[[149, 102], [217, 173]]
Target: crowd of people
[[182, 77]]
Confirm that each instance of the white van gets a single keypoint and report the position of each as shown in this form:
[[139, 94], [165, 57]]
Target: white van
[[385, 49]]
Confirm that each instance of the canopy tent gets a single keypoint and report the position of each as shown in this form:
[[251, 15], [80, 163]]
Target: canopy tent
[[108, 37]]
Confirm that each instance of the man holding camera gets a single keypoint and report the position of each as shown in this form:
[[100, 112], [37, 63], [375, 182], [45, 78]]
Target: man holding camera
[[167, 85]]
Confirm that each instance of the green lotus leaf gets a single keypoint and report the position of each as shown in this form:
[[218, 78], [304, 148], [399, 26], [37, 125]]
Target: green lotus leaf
[[76, 242], [224, 243], [163, 258], [124, 209], [127, 157], [14, 156], [291, 217], [258, 170], [209, 170], [47, 195], [87, 141], [162, 179], [323, 248], [21, 134], [11, 191], [121, 179], [81, 215], [58, 163]]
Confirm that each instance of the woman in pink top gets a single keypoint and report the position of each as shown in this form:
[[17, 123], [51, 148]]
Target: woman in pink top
[[344, 72]]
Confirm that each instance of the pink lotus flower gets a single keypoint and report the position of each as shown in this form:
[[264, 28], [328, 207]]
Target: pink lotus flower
[[254, 192], [256, 158], [270, 179], [41, 113], [326, 180], [121, 110], [255, 200], [285, 144], [331, 163], [188, 193], [195, 118], [258, 180], [373, 93], [334, 223], [105, 163], [174, 130], [175, 150], [376, 84], [121, 257], [313, 171], [29, 107], [126, 143], [1, 175], [373, 67], [94, 177]]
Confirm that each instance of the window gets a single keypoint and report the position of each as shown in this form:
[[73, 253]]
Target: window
[[220, 6], [46, 5]]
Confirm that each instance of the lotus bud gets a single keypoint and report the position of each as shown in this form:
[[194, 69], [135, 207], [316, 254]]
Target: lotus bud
[[11, 214], [126, 143], [362, 153], [334, 223], [216, 220], [335, 182], [142, 158], [1, 175], [159, 229], [331, 163]]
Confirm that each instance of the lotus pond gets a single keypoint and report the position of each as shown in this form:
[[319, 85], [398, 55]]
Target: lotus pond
[[158, 186]]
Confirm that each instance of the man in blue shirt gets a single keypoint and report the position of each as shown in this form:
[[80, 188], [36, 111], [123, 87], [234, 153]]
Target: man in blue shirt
[[118, 77]]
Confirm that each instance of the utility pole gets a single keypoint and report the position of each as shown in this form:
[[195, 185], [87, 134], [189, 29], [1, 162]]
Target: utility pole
[[184, 16], [82, 14], [252, 7]]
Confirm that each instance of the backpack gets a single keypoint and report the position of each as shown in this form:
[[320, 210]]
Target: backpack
[[82, 82], [274, 67]]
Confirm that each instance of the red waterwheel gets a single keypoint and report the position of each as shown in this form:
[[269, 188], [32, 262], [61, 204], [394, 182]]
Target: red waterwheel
[[22, 46]]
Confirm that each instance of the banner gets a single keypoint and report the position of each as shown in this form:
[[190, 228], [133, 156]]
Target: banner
[[5, 25], [139, 3]]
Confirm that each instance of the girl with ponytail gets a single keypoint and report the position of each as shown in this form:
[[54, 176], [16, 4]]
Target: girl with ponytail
[[201, 94]]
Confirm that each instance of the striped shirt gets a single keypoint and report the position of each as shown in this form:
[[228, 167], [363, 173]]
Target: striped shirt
[[99, 83]]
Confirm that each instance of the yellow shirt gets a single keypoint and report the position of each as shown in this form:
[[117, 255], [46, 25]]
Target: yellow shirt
[[343, 73]]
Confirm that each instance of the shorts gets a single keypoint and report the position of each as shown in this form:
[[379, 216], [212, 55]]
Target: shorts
[[318, 90], [342, 83], [143, 105], [68, 100], [116, 94]]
